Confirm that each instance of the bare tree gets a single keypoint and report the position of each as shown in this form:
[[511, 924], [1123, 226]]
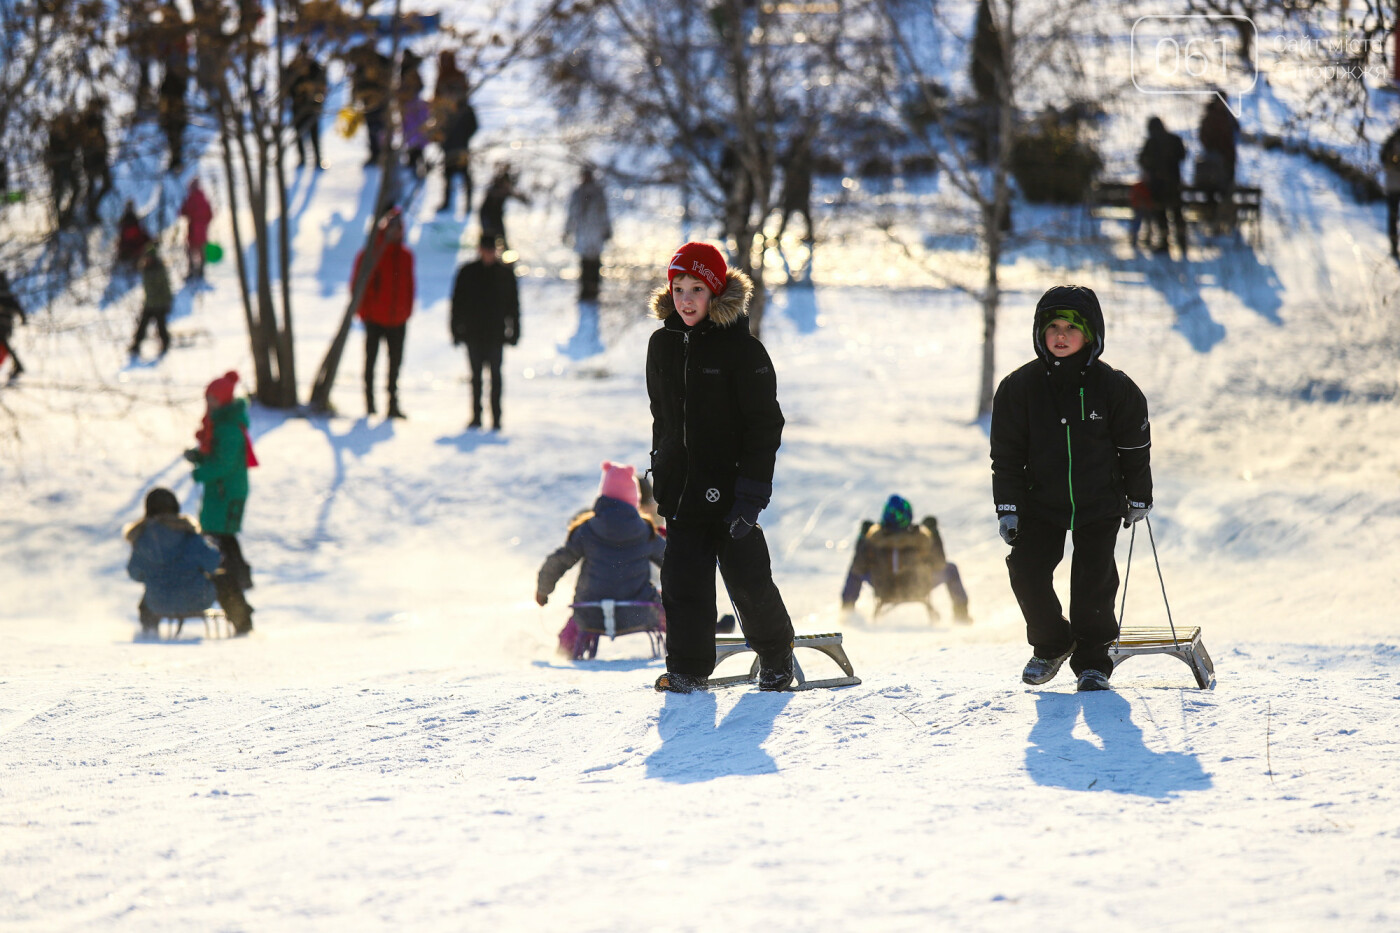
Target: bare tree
[[710, 96], [971, 143]]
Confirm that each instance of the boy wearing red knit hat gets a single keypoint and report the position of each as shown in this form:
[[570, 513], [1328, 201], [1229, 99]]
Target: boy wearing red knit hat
[[716, 427]]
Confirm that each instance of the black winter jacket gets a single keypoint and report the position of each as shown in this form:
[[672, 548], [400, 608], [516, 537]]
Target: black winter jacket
[[485, 304], [715, 418], [1071, 441], [617, 546]]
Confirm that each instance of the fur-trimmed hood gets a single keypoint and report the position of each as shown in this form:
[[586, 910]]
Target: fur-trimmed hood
[[174, 522], [725, 308]]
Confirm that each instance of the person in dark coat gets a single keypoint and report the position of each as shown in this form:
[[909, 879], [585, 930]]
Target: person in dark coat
[[132, 238], [155, 279], [10, 308], [63, 158], [1160, 159], [97, 170], [1390, 166], [1071, 446], [617, 546], [796, 197], [173, 559], [306, 89], [716, 428], [369, 85], [486, 317], [493, 204], [1215, 173], [458, 125], [174, 115]]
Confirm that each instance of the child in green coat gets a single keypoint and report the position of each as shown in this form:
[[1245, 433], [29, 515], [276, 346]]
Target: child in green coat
[[221, 460]]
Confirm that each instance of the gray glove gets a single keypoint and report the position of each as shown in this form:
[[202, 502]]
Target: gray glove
[[1137, 511], [1007, 527]]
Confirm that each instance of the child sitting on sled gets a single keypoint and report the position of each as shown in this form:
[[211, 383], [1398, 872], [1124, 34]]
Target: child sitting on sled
[[173, 559], [903, 562], [617, 546]]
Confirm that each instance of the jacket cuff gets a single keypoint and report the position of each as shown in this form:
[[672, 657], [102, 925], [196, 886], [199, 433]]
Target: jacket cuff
[[745, 488], [1006, 508]]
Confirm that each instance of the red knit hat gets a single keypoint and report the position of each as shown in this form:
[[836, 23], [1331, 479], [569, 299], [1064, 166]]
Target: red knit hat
[[620, 482], [220, 391], [702, 261]]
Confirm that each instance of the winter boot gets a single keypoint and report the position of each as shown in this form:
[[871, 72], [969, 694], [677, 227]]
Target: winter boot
[[672, 682], [1093, 680], [1041, 670], [394, 410], [776, 674], [960, 613], [369, 401]]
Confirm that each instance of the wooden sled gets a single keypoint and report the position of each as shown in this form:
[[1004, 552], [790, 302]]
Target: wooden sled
[[216, 625], [1185, 645], [828, 644]]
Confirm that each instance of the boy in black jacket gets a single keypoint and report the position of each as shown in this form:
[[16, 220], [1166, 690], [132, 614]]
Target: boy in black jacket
[[1070, 452], [716, 427], [486, 317]]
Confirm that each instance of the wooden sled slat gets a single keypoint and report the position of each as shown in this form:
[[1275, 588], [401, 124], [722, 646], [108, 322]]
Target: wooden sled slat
[[1186, 646]]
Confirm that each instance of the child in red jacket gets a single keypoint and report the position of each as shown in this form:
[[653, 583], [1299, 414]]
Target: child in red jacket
[[386, 303]]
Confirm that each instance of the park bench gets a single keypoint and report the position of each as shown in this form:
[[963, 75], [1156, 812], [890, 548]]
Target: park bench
[[1113, 198]]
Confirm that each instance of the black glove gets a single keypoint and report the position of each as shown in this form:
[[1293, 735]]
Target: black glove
[[750, 498], [541, 598], [193, 455], [1137, 511], [1008, 528], [512, 333]]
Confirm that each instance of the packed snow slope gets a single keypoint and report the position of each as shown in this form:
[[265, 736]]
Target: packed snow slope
[[398, 745]]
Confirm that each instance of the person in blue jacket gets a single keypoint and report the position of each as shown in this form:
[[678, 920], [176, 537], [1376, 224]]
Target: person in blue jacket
[[173, 559], [617, 546]]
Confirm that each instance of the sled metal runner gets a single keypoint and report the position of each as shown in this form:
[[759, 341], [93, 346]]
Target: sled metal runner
[[1184, 645], [215, 624], [828, 644]]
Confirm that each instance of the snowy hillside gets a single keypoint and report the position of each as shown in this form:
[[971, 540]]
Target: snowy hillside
[[398, 745]]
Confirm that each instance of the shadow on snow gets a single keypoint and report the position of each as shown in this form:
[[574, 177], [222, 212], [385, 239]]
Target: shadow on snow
[[694, 748]]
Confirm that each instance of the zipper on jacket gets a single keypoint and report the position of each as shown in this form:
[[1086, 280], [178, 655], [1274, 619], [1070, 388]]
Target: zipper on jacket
[[1081, 403], [1069, 450], [685, 418]]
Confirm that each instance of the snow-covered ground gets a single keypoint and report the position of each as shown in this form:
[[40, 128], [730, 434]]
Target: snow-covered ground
[[398, 745]]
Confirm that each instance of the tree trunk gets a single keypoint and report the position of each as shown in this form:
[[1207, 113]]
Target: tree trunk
[[286, 356], [262, 374], [325, 377]]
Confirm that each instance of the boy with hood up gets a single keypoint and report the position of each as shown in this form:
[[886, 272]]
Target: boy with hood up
[[716, 427], [617, 545], [1071, 447]]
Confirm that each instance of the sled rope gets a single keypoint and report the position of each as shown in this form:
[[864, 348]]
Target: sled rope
[[1127, 573]]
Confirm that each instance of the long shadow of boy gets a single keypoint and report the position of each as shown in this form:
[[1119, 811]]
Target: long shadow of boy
[[694, 749], [1124, 764]]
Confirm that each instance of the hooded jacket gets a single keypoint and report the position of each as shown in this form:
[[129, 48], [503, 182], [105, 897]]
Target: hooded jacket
[[1160, 157], [485, 304], [1070, 437], [714, 406], [174, 560], [617, 546], [224, 470]]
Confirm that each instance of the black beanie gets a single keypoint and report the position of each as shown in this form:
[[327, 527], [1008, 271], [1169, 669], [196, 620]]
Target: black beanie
[[161, 501]]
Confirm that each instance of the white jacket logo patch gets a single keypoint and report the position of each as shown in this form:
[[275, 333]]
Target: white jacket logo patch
[[712, 494]]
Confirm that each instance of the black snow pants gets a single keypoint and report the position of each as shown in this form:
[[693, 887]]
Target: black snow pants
[[1093, 584], [688, 593]]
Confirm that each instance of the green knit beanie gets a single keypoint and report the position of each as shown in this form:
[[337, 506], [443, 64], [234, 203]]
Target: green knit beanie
[[1074, 317]]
